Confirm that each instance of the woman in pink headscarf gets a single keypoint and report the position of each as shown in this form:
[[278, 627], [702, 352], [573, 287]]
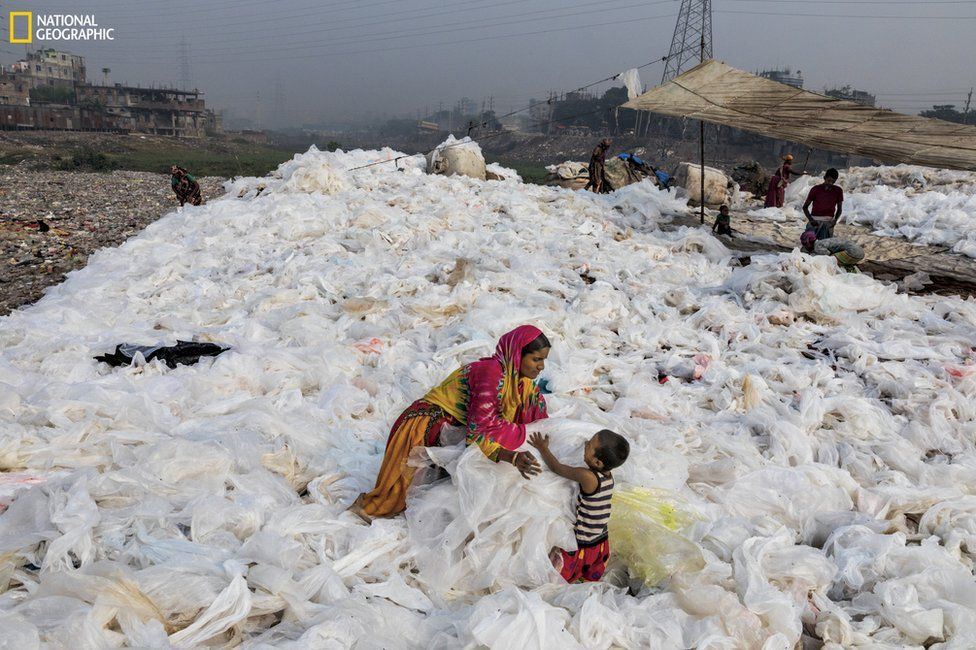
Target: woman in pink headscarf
[[493, 398]]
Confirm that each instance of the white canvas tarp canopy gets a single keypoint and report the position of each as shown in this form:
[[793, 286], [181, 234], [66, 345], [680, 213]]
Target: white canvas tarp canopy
[[717, 93]]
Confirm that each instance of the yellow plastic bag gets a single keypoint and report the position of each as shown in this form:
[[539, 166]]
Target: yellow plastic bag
[[644, 533]]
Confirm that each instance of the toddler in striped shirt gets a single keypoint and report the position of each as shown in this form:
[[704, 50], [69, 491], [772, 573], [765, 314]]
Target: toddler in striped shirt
[[603, 452]]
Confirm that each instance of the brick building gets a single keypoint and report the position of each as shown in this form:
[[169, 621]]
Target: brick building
[[852, 95], [14, 89], [161, 111], [51, 67], [53, 87]]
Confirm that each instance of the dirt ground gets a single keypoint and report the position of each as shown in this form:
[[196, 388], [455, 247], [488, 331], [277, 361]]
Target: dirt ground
[[82, 213]]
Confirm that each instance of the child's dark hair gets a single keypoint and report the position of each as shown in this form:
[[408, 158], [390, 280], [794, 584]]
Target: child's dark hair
[[613, 449], [538, 343], [832, 173]]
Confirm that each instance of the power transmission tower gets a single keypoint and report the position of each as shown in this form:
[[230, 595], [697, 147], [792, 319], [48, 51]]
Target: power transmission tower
[[258, 113], [279, 101], [552, 111], [691, 45], [692, 40], [184, 64]]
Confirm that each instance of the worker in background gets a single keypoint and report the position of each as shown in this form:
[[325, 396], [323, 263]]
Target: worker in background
[[662, 179], [636, 163], [776, 194], [598, 169], [824, 205], [723, 222], [186, 187], [847, 253]]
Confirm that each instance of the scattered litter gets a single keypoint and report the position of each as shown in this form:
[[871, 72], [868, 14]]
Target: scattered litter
[[916, 281], [184, 353], [81, 216]]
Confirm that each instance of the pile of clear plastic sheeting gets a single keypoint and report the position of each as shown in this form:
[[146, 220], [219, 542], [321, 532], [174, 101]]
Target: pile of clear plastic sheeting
[[818, 426]]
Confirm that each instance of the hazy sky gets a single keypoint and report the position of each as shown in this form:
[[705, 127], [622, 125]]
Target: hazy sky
[[345, 59]]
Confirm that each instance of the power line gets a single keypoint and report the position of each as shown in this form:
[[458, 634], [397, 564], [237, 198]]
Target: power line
[[457, 26], [575, 90], [479, 5], [491, 136], [297, 12], [836, 16], [590, 85], [945, 100], [932, 94], [279, 100], [184, 64], [267, 21], [293, 57], [913, 3], [925, 102]]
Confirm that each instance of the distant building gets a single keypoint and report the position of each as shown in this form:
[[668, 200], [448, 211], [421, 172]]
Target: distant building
[[51, 67], [516, 122], [539, 114], [14, 89], [786, 76], [53, 86], [852, 95], [160, 111], [466, 106], [249, 135]]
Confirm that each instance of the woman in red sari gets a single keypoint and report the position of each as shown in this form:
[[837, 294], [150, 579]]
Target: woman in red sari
[[493, 398], [776, 194]]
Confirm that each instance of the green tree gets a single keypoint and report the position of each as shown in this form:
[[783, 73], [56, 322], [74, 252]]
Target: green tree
[[578, 109], [946, 112]]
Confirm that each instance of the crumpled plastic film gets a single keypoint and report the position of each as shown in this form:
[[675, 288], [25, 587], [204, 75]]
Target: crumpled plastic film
[[644, 532], [820, 425], [488, 527]]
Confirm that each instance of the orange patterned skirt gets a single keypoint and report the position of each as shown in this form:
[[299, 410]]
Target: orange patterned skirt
[[420, 425]]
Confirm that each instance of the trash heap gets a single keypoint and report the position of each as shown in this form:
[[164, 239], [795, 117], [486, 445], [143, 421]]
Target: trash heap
[[815, 426]]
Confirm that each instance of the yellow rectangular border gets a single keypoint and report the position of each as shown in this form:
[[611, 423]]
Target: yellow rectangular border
[[30, 26]]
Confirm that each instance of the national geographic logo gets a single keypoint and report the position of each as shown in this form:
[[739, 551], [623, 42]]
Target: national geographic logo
[[21, 22], [56, 27]]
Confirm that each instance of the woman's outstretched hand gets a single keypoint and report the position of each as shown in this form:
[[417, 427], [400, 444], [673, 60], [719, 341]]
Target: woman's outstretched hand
[[526, 464]]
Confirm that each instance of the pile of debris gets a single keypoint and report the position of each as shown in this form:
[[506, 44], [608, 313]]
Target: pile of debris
[[50, 222]]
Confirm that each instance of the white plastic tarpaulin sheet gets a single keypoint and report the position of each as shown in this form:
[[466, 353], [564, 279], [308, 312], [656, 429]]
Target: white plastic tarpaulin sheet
[[631, 79], [717, 93]]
